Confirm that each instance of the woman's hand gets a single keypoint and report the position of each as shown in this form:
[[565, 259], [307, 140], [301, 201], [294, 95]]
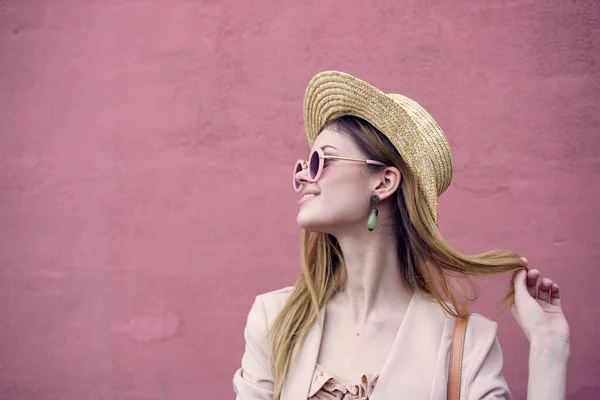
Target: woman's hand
[[538, 309]]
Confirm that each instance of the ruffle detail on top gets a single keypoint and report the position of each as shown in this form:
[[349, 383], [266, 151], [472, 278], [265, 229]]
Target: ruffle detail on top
[[325, 386]]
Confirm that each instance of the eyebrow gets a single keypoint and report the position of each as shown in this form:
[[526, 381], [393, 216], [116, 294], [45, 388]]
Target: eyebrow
[[326, 146]]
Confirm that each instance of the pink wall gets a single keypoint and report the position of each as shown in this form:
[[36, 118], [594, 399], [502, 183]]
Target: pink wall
[[145, 157]]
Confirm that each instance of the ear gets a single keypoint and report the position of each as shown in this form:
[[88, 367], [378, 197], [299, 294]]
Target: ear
[[388, 181]]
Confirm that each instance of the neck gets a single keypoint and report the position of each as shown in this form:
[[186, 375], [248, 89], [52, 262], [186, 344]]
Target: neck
[[375, 285]]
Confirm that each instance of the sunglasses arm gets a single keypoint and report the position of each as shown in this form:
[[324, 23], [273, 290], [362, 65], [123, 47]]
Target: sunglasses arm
[[354, 159]]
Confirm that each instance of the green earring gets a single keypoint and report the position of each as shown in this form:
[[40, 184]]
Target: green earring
[[372, 222]]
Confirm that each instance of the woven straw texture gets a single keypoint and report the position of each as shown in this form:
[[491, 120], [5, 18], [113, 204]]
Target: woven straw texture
[[415, 134]]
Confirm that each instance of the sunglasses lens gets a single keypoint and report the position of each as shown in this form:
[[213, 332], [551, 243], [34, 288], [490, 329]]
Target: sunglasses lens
[[313, 164]]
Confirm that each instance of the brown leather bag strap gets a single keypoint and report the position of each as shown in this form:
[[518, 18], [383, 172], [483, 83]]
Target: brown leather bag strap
[[456, 355]]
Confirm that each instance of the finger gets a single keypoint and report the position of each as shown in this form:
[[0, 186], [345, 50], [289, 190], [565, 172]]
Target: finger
[[532, 281], [544, 289], [555, 295], [521, 290], [524, 260], [513, 311]]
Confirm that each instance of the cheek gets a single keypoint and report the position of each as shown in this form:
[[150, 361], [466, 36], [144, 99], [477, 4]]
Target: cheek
[[345, 196], [343, 181], [343, 201]]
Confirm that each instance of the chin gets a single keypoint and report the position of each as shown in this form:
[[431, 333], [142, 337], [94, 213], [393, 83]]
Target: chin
[[316, 220], [308, 223], [311, 220]]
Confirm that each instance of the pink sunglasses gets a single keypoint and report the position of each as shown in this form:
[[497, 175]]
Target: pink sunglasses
[[315, 163]]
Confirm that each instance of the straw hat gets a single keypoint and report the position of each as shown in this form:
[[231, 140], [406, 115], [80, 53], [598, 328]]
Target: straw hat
[[414, 133]]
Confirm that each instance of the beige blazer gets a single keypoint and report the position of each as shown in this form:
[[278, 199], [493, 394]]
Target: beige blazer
[[416, 368]]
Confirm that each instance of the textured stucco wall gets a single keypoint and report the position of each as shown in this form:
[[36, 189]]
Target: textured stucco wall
[[145, 157]]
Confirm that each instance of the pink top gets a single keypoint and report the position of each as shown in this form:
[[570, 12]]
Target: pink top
[[325, 386]]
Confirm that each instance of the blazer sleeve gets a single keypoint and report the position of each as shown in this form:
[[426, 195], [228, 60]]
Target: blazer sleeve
[[254, 381], [484, 379]]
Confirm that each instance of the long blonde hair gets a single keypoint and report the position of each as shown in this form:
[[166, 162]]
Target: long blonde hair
[[428, 263]]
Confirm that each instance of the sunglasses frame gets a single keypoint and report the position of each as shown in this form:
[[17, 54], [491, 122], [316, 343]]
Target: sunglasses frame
[[304, 164]]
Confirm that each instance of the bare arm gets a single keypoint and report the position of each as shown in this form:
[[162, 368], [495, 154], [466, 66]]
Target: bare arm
[[538, 311]]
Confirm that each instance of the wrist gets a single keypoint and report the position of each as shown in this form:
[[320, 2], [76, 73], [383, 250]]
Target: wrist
[[550, 346]]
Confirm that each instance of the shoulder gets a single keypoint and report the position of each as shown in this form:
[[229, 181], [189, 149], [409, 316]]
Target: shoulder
[[480, 332], [483, 361], [481, 344], [481, 357], [267, 305], [275, 298], [480, 335], [276, 295], [476, 325], [261, 315]]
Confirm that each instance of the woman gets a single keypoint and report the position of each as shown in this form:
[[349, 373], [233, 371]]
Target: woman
[[373, 313]]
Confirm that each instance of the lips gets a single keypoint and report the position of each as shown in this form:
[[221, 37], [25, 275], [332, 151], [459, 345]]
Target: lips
[[306, 197]]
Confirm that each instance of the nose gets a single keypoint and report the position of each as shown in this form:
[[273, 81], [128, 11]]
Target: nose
[[301, 176]]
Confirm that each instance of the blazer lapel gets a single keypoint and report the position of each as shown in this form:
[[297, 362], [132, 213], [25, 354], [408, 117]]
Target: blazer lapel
[[300, 374], [409, 370]]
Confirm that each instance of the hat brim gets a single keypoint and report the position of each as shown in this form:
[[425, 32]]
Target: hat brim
[[331, 94]]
